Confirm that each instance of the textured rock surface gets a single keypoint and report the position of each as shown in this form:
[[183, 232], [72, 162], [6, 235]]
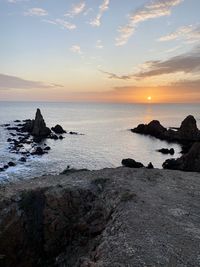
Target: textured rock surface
[[188, 162], [108, 218]]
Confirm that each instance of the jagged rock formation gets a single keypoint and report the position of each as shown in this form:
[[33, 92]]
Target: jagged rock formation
[[39, 126], [105, 218], [188, 131], [188, 162]]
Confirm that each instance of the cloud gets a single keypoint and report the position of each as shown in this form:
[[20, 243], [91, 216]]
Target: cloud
[[76, 10], [155, 9], [62, 23], [13, 82], [111, 75], [36, 11], [96, 22], [76, 49], [187, 63], [189, 33], [99, 44]]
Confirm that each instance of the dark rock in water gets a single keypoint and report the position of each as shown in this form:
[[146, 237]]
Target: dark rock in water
[[13, 128], [73, 133], [58, 129], [9, 140], [5, 125], [22, 159], [150, 166], [61, 137], [28, 126], [47, 148], [154, 128], [12, 134], [187, 162], [17, 121], [188, 131], [5, 167], [11, 164], [1, 169], [38, 151], [53, 136], [131, 163], [39, 126], [166, 151]]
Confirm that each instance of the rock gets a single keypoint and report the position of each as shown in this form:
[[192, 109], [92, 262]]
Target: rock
[[188, 131], [11, 164], [38, 151], [60, 137], [22, 159], [107, 218], [75, 133], [5, 167], [39, 126], [187, 162], [1, 169], [166, 151], [58, 129], [28, 126], [150, 166], [131, 163], [47, 148], [9, 140], [17, 121], [154, 128]]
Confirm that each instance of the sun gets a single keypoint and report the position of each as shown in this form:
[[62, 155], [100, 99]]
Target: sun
[[149, 98]]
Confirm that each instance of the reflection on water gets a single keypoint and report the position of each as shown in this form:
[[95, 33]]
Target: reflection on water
[[107, 139]]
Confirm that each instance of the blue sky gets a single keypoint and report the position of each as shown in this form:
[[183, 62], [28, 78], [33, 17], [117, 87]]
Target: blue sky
[[99, 50]]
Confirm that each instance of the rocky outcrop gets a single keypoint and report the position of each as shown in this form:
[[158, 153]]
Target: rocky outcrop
[[188, 162], [105, 218], [154, 128], [39, 126], [188, 131], [131, 163], [58, 129]]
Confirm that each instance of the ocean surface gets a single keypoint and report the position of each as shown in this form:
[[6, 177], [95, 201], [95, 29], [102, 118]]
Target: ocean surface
[[106, 140]]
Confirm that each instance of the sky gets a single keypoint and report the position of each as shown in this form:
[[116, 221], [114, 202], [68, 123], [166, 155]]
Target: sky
[[130, 51]]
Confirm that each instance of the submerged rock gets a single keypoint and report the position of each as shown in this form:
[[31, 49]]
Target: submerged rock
[[131, 163]]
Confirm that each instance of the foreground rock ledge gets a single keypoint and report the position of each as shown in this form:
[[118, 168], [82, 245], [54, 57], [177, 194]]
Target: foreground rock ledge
[[112, 217]]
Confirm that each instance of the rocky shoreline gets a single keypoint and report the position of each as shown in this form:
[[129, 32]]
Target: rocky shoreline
[[107, 218], [27, 138]]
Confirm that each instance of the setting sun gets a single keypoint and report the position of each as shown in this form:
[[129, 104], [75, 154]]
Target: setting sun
[[149, 98]]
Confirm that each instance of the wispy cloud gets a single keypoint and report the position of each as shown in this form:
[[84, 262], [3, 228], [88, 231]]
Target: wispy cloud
[[76, 10], [189, 33], [36, 11], [187, 63], [99, 44], [76, 49], [155, 9], [111, 75], [96, 22], [62, 23], [13, 82]]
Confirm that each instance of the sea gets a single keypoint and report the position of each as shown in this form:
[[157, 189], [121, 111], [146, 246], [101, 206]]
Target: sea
[[106, 138]]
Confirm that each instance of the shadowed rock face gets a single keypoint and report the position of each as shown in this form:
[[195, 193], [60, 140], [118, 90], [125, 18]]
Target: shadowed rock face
[[107, 218], [188, 131], [39, 126], [188, 162]]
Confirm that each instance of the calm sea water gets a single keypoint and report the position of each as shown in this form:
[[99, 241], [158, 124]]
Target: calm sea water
[[106, 140]]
